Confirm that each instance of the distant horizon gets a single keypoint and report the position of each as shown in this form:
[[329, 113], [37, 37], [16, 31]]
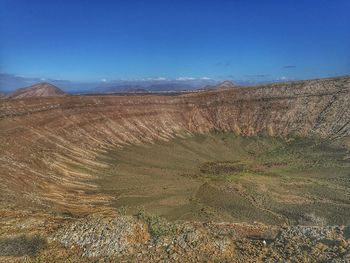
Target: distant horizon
[[124, 85]]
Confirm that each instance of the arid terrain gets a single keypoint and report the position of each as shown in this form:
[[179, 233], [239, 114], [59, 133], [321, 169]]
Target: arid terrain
[[228, 174]]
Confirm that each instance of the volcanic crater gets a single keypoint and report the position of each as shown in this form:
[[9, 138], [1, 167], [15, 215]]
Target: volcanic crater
[[275, 154]]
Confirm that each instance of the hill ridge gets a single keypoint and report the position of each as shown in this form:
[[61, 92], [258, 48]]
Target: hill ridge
[[43, 89]]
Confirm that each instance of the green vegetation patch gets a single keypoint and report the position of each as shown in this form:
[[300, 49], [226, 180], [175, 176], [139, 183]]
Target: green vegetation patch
[[158, 226], [222, 168]]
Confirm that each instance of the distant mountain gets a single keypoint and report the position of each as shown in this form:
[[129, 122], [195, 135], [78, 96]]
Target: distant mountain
[[37, 90], [226, 85], [223, 85], [119, 88], [169, 87], [139, 90], [10, 82], [143, 87]]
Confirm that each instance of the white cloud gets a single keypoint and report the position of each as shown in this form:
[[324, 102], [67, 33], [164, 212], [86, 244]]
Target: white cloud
[[155, 79], [185, 78], [160, 78], [205, 78], [283, 78], [104, 80]]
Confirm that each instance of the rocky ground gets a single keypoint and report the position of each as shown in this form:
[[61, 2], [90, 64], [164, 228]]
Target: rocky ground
[[141, 239], [148, 238]]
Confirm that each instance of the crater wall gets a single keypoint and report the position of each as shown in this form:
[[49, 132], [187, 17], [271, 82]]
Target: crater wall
[[43, 139]]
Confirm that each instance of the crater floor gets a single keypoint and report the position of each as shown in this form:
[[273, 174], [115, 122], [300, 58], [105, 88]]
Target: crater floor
[[224, 177]]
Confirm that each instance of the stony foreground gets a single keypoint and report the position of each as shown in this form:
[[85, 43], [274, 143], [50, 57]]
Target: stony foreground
[[114, 237], [150, 239]]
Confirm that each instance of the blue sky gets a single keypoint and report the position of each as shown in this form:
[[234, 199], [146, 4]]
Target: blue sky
[[239, 39]]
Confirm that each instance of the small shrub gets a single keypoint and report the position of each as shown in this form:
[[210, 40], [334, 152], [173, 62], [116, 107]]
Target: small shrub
[[67, 214], [122, 210], [158, 226]]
